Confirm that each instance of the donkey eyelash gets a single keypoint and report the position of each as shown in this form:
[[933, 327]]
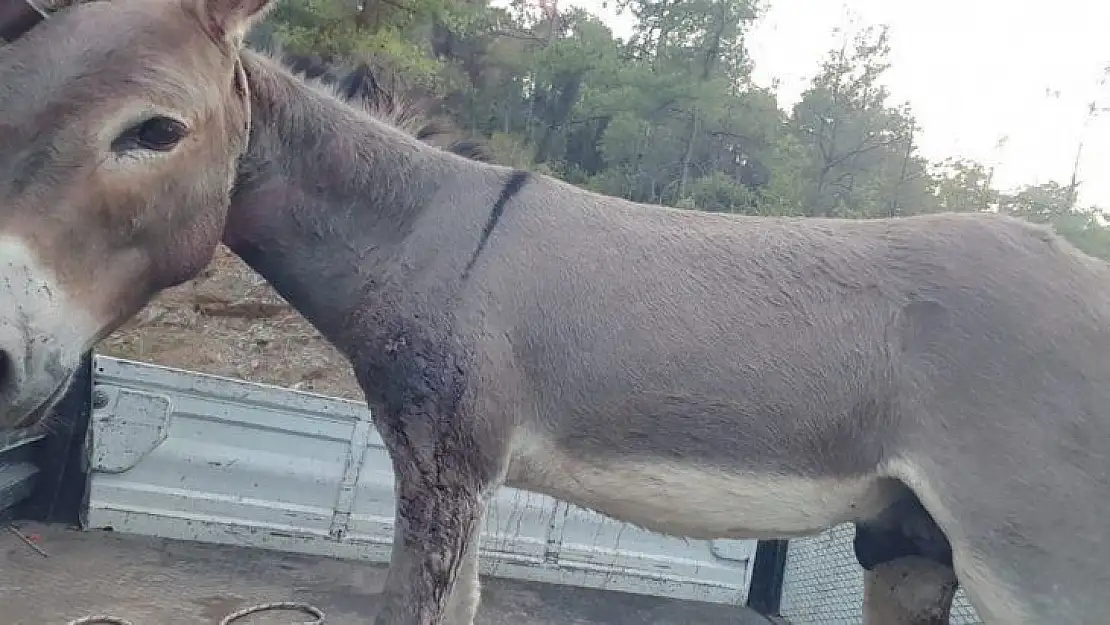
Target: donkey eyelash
[[117, 129], [157, 133]]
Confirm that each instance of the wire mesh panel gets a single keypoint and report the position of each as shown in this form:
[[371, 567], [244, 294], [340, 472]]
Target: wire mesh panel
[[823, 583]]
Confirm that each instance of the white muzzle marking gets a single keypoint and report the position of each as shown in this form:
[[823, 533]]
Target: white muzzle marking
[[43, 333]]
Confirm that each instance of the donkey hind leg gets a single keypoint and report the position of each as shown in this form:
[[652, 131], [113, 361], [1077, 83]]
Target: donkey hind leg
[[1029, 537], [911, 590], [435, 545], [907, 561]]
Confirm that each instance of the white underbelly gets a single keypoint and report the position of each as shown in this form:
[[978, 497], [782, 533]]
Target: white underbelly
[[697, 501]]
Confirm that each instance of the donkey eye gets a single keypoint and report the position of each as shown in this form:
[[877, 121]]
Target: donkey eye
[[160, 134]]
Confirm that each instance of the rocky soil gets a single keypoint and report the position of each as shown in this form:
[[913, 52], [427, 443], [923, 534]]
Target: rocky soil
[[229, 322]]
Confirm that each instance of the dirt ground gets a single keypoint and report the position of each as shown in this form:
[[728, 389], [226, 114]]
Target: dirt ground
[[163, 582], [229, 322]]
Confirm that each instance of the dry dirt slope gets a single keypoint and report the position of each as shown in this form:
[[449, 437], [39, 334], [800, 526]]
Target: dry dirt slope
[[229, 322]]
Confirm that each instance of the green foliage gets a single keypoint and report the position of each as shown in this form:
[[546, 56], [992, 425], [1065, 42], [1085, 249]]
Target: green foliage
[[1086, 232], [964, 186], [670, 116], [508, 149], [334, 29], [1043, 203], [720, 193]]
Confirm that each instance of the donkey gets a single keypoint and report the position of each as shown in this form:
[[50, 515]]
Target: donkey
[[937, 380], [102, 111]]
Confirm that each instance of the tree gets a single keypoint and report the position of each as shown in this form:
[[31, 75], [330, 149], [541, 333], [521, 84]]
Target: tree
[[670, 116], [964, 186], [860, 146]]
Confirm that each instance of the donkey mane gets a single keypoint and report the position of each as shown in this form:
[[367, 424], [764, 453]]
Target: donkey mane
[[359, 84]]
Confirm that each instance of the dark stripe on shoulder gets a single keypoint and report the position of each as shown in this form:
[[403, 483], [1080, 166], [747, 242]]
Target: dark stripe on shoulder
[[512, 186]]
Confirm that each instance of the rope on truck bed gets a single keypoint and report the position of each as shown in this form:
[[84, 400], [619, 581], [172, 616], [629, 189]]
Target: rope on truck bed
[[311, 610]]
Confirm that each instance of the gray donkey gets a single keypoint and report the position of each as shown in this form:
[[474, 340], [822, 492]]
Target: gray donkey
[[939, 381]]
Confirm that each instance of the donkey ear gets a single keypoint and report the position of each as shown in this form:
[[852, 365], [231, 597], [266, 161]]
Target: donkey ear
[[231, 19]]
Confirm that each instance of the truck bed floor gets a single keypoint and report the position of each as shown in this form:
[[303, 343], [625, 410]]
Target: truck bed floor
[[162, 582]]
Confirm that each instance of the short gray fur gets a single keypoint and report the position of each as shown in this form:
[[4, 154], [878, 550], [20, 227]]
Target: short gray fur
[[599, 350]]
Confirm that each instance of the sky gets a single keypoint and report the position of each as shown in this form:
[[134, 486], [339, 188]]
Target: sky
[[973, 71]]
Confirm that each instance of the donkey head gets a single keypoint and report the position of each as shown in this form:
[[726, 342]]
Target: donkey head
[[121, 124]]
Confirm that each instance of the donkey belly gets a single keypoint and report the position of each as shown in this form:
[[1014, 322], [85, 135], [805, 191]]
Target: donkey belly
[[697, 501]]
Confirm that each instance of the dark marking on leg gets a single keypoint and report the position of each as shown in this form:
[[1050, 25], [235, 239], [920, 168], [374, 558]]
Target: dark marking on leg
[[436, 523], [512, 186], [444, 459]]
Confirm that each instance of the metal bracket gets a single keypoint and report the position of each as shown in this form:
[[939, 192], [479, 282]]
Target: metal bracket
[[356, 457], [126, 426], [734, 550], [555, 526]]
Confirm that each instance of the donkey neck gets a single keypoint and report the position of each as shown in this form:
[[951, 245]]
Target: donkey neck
[[327, 197]]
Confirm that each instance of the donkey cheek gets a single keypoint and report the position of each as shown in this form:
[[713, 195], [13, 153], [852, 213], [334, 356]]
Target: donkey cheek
[[185, 258]]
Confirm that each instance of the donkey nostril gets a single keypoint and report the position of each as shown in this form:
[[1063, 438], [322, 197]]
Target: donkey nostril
[[7, 372], [13, 375], [11, 378]]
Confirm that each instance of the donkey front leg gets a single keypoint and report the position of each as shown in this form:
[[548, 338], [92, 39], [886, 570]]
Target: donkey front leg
[[433, 572], [462, 606]]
